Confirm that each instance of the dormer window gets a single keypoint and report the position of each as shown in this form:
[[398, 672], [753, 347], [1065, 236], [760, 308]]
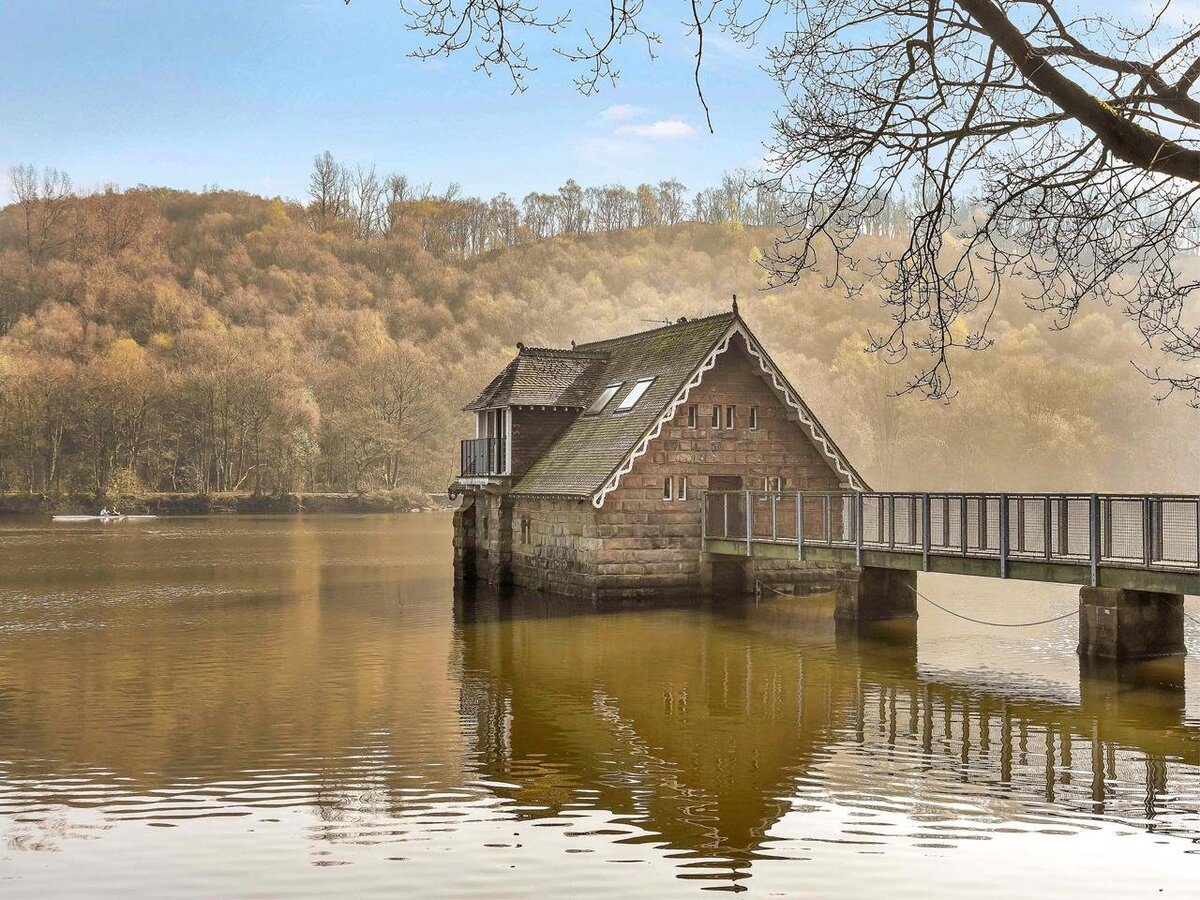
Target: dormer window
[[635, 394], [602, 401]]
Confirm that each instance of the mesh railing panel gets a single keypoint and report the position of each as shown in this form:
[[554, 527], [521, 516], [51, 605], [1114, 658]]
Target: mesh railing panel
[[937, 521], [1149, 531], [1122, 537], [874, 513], [1070, 528], [1027, 526], [1177, 529]]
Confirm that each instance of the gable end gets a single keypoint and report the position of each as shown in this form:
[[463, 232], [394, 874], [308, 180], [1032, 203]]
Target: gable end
[[774, 378]]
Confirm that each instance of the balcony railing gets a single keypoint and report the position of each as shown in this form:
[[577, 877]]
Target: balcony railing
[[484, 456]]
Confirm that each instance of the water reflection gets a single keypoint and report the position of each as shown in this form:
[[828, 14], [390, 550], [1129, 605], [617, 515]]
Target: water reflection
[[238, 704], [708, 728], [219, 669]]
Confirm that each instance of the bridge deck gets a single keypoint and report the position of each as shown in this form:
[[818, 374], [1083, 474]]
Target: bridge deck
[[1145, 542]]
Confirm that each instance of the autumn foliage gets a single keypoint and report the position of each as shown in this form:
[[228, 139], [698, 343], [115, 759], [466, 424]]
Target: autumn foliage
[[154, 339]]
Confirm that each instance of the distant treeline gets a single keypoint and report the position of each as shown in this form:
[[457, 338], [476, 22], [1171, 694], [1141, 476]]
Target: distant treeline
[[370, 204], [160, 340]]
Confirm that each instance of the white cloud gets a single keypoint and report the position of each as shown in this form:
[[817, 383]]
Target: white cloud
[[663, 129], [621, 111], [612, 153]]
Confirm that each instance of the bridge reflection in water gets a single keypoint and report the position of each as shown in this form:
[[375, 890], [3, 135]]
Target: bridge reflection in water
[[707, 728]]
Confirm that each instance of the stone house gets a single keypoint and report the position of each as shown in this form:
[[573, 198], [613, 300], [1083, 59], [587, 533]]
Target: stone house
[[588, 466]]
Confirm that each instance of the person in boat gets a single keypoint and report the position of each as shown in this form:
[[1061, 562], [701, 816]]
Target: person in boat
[[104, 512]]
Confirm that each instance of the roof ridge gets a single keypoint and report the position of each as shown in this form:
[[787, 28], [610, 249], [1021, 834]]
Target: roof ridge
[[558, 351], [727, 314]]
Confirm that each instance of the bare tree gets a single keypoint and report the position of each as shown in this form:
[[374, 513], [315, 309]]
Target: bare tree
[[45, 199], [328, 191], [368, 202], [120, 218], [648, 213], [671, 205], [571, 210], [1076, 138]]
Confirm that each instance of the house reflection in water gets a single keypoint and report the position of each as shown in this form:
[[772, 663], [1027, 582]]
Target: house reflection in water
[[706, 728]]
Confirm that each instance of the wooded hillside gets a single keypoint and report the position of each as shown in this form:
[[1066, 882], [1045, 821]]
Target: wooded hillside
[[162, 340]]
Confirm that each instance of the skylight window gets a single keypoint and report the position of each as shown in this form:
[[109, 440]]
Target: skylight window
[[634, 395], [602, 401]]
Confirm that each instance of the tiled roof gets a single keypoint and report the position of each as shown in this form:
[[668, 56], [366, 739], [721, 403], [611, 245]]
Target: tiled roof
[[589, 458], [583, 458], [543, 377]]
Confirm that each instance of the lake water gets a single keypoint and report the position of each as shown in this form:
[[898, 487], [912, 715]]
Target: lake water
[[265, 707]]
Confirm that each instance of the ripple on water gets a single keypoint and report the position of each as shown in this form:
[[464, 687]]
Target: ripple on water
[[288, 707]]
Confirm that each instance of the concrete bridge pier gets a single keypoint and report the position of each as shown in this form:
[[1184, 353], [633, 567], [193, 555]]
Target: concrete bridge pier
[[868, 594], [1126, 624]]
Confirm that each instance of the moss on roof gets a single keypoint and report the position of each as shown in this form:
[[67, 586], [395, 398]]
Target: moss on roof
[[542, 377], [583, 458]]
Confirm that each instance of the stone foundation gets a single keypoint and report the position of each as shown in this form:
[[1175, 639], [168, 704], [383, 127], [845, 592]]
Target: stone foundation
[[483, 538], [869, 594], [1120, 624], [797, 577], [464, 540], [554, 546]]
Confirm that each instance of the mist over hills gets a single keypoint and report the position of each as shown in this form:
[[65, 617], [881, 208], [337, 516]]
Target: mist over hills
[[163, 340]]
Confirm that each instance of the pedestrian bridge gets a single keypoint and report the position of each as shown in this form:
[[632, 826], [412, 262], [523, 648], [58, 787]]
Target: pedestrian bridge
[[1148, 542]]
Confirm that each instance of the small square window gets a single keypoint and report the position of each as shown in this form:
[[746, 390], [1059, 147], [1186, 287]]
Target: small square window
[[668, 493], [729, 413], [682, 487], [716, 417], [754, 418], [693, 416]]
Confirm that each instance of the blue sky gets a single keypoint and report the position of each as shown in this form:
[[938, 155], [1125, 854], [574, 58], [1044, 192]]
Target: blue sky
[[242, 95]]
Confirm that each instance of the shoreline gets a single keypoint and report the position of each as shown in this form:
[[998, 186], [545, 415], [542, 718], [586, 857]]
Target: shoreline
[[229, 503]]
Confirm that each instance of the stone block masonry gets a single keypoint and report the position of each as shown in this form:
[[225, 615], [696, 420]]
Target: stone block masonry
[[483, 538], [869, 594], [652, 545], [1121, 624]]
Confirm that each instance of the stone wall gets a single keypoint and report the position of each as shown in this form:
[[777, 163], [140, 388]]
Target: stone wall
[[483, 537], [651, 545], [465, 539], [555, 543]]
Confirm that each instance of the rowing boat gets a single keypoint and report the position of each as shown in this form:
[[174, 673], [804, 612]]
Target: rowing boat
[[102, 518]]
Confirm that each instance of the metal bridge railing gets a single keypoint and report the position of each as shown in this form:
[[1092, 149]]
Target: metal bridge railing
[[1131, 531]]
